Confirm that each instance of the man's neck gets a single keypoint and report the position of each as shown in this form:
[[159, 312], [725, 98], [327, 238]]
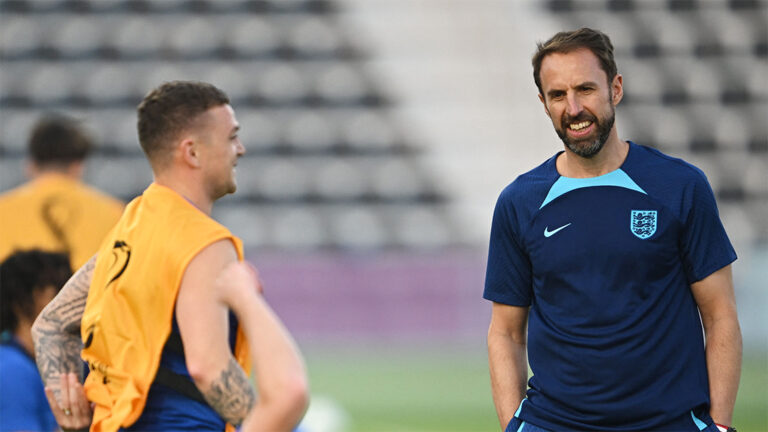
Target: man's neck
[[23, 334], [608, 159], [187, 189]]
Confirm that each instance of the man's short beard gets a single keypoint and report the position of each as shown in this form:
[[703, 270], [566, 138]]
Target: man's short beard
[[589, 150]]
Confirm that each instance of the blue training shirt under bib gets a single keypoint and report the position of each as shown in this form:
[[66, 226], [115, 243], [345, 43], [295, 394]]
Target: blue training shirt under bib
[[605, 264]]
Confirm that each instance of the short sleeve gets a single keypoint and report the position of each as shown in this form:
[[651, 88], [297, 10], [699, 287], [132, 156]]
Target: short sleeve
[[705, 244], [508, 275]]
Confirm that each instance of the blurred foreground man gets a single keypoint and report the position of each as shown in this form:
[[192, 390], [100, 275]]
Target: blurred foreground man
[[607, 253], [151, 311], [55, 211], [28, 281]]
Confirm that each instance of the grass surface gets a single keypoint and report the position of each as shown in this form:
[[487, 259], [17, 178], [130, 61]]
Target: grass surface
[[409, 389]]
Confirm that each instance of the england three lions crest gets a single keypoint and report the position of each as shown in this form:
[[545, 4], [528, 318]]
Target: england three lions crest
[[643, 223]]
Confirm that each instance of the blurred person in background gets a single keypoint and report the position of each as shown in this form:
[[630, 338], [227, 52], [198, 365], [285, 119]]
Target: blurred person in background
[[55, 211], [28, 281], [606, 263], [152, 311]]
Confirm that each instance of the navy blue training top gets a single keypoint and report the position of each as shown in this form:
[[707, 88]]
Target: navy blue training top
[[168, 410], [605, 264]]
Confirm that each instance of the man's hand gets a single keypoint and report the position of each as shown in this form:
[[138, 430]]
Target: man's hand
[[73, 411], [237, 283]]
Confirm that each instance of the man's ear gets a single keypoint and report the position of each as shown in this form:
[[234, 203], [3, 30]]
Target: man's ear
[[543, 102], [617, 88], [190, 151]]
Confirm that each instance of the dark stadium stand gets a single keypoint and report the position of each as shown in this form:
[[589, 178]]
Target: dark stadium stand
[[327, 166], [696, 87]]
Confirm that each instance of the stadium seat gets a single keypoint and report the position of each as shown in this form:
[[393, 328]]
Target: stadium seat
[[313, 36], [12, 173], [756, 177], [282, 83], [110, 84], [310, 131], [247, 221], [192, 37], [341, 83], [253, 37], [732, 131], [340, 179], [737, 223], [259, 131], [671, 130], [78, 37], [397, 179], [15, 126], [230, 78], [369, 131], [674, 32], [159, 74], [277, 179], [299, 228], [137, 36], [358, 227], [645, 80], [421, 228], [19, 36], [49, 85], [124, 177]]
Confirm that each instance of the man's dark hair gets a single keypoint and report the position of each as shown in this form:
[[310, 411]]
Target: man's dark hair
[[565, 42], [171, 108], [58, 140], [21, 275]]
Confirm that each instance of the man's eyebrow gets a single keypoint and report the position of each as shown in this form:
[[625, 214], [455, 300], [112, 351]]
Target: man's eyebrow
[[553, 92], [588, 84]]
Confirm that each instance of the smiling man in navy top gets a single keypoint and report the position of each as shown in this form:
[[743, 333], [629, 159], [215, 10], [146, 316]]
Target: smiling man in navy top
[[612, 256]]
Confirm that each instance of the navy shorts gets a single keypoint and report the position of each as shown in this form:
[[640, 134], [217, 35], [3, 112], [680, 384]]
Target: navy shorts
[[700, 421]]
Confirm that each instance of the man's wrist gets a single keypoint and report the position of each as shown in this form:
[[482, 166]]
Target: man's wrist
[[724, 428]]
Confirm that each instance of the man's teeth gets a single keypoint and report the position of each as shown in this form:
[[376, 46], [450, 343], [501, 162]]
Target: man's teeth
[[578, 126]]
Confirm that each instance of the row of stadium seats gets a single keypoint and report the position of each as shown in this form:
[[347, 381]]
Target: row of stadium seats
[[167, 6], [98, 83], [347, 226], [37, 83], [563, 6], [700, 127], [703, 128], [292, 179], [145, 37], [285, 131]]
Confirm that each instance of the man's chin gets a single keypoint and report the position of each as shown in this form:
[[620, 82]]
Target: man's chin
[[586, 149]]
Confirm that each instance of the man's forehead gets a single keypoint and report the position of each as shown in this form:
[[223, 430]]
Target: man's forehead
[[577, 65], [220, 114]]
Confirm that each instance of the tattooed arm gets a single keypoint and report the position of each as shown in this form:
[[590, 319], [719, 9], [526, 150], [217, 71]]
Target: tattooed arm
[[202, 315], [56, 335], [277, 363], [56, 332]]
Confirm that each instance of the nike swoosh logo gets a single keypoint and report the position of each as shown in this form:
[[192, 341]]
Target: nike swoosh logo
[[548, 233]]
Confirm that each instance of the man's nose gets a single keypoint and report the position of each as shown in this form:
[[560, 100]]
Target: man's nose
[[574, 107]]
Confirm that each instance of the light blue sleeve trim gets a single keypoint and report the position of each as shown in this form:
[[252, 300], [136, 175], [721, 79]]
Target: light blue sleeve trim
[[699, 424], [617, 178], [522, 425]]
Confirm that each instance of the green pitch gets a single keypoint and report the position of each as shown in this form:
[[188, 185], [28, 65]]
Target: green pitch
[[425, 389]]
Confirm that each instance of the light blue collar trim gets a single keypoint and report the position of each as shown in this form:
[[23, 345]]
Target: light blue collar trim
[[617, 178]]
